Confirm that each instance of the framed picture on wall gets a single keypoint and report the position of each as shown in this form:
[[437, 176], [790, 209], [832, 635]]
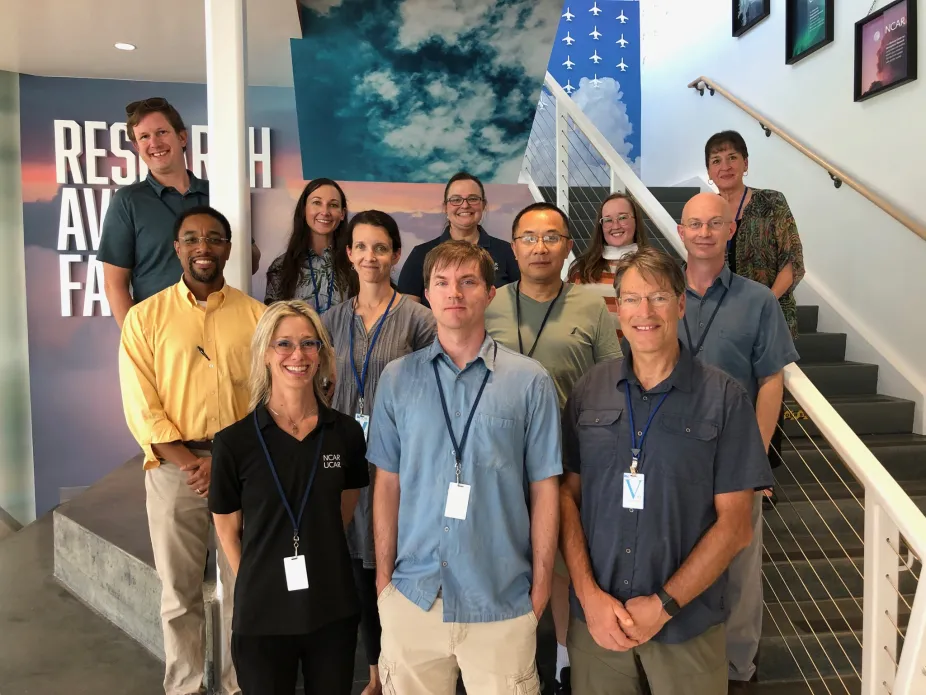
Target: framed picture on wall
[[748, 13], [809, 26], [885, 49]]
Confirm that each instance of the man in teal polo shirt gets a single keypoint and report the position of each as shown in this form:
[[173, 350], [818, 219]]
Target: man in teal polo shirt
[[137, 243]]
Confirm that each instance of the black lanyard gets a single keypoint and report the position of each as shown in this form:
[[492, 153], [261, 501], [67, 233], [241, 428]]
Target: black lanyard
[[458, 448], [297, 521], [361, 377], [318, 307], [696, 349], [517, 303], [737, 219], [637, 447]]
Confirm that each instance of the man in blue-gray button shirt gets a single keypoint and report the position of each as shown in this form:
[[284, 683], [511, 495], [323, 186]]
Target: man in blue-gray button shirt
[[465, 437], [737, 325], [662, 456]]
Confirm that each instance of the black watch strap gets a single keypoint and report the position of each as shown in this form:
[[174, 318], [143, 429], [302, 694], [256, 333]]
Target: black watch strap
[[669, 604]]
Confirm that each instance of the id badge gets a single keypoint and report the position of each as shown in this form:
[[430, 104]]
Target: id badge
[[457, 501], [297, 578], [633, 491], [364, 421]]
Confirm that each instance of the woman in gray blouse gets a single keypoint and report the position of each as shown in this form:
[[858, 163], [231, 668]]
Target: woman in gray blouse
[[368, 331]]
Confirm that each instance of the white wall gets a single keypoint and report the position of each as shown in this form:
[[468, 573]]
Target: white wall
[[860, 262]]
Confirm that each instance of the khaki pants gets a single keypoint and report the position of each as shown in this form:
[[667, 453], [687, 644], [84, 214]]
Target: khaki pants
[[695, 667], [422, 655], [744, 595], [179, 523]]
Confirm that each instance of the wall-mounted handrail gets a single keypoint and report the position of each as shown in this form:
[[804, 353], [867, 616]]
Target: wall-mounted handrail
[[839, 177]]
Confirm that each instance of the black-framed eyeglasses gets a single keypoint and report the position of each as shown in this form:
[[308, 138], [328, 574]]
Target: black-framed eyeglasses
[[457, 200], [620, 219], [284, 347], [210, 240], [550, 239], [153, 103]]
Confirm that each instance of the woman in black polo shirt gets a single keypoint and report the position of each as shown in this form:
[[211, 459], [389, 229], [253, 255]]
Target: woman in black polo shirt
[[285, 481], [464, 204]]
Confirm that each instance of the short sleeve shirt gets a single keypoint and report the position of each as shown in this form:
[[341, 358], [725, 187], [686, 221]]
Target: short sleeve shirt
[[242, 480], [483, 563], [411, 279], [703, 441], [138, 232]]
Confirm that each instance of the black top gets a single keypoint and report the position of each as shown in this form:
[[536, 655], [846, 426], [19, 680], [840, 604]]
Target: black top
[[241, 479], [411, 279], [704, 441]]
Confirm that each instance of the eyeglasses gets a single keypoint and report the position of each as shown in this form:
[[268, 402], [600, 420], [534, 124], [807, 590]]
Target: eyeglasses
[[657, 300], [457, 200], [191, 241], [288, 347], [717, 224], [153, 103], [620, 219], [548, 239]]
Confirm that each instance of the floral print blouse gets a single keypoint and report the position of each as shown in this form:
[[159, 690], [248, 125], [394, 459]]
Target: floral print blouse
[[316, 282]]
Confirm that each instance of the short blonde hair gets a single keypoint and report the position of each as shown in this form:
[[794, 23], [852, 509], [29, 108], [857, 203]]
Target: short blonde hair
[[261, 381]]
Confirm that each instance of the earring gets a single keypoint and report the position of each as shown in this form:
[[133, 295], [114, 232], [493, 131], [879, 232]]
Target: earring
[[710, 181], [746, 173]]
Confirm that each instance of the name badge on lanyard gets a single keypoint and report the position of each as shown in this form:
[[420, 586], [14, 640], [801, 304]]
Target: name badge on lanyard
[[634, 482], [361, 377], [633, 490]]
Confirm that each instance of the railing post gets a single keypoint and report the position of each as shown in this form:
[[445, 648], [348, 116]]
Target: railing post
[[562, 157], [911, 671], [879, 602]]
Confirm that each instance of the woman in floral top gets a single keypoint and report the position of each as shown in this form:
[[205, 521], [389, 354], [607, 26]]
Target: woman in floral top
[[766, 247], [314, 267]]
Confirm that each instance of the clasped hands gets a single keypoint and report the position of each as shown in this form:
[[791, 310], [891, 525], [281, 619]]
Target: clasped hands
[[620, 627]]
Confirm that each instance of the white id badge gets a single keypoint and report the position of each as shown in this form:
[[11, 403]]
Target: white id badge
[[364, 421], [457, 501], [633, 491], [297, 578]]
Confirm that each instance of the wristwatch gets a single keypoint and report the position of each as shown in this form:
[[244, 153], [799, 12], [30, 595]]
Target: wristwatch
[[669, 604]]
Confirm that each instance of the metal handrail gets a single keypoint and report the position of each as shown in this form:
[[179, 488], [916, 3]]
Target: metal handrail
[[837, 175]]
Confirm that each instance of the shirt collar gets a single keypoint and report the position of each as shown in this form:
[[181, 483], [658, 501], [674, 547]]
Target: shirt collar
[[190, 298], [488, 352], [483, 236], [265, 419], [196, 185], [725, 278], [680, 378]]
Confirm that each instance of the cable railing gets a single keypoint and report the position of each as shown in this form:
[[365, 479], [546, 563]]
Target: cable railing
[[837, 175], [843, 546]]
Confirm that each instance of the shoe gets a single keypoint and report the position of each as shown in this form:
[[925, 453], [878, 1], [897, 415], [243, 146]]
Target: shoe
[[768, 503], [563, 687]]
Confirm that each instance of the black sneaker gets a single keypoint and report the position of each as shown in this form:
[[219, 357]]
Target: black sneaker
[[564, 686]]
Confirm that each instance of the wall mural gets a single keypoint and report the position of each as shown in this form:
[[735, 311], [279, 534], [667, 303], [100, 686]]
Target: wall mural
[[414, 90]]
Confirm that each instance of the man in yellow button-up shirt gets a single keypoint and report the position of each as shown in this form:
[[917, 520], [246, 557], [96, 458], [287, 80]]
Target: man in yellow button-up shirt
[[184, 365]]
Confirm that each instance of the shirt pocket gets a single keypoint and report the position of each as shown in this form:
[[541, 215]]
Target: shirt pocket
[[599, 432], [689, 448], [497, 443]]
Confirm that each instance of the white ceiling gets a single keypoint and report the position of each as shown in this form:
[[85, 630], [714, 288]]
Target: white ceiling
[[74, 38]]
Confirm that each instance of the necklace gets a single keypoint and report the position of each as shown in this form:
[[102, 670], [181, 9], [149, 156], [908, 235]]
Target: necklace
[[291, 421]]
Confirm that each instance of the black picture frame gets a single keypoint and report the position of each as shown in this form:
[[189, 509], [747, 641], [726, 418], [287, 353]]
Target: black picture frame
[[740, 27], [792, 31], [901, 56]]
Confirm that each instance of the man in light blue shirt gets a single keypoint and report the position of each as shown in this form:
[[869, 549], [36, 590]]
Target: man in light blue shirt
[[466, 440]]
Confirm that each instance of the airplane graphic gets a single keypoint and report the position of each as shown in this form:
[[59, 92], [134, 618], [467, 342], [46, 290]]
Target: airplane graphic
[[541, 105], [568, 63], [567, 15], [596, 83], [595, 9], [595, 58], [595, 34], [568, 39], [623, 66], [624, 19], [569, 89], [622, 41]]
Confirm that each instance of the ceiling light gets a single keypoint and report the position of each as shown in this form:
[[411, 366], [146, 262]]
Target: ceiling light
[[125, 46]]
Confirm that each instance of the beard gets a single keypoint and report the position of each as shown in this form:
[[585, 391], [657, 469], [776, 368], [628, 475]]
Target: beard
[[205, 276]]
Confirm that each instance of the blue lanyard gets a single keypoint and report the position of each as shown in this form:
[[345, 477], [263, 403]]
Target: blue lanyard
[[297, 521], [637, 447], [458, 448], [318, 307], [361, 378]]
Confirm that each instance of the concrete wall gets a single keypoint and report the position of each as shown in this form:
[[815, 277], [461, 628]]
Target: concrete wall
[[17, 496], [865, 269]]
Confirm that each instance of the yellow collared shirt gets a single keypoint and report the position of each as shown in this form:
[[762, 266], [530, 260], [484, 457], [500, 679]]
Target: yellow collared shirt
[[171, 391]]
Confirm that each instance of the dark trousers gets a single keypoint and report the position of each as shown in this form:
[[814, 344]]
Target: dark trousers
[[370, 629], [269, 664]]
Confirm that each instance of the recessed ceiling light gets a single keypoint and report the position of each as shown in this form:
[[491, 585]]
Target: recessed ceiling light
[[125, 46]]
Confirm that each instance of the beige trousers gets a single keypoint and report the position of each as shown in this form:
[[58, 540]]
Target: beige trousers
[[422, 655], [179, 523]]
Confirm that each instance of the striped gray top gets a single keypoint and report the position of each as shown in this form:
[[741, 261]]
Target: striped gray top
[[408, 327]]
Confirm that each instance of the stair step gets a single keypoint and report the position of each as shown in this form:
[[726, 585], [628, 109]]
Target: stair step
[[811, 656], [807, 317], [820, 347], [792, 619], [819, 580], [865, 414], [674, 194], [843, 378], [842, 685]]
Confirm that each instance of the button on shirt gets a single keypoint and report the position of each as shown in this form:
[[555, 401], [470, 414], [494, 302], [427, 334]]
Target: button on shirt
[[482, 564], [171, 391], [749, 338], [703, 441]]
